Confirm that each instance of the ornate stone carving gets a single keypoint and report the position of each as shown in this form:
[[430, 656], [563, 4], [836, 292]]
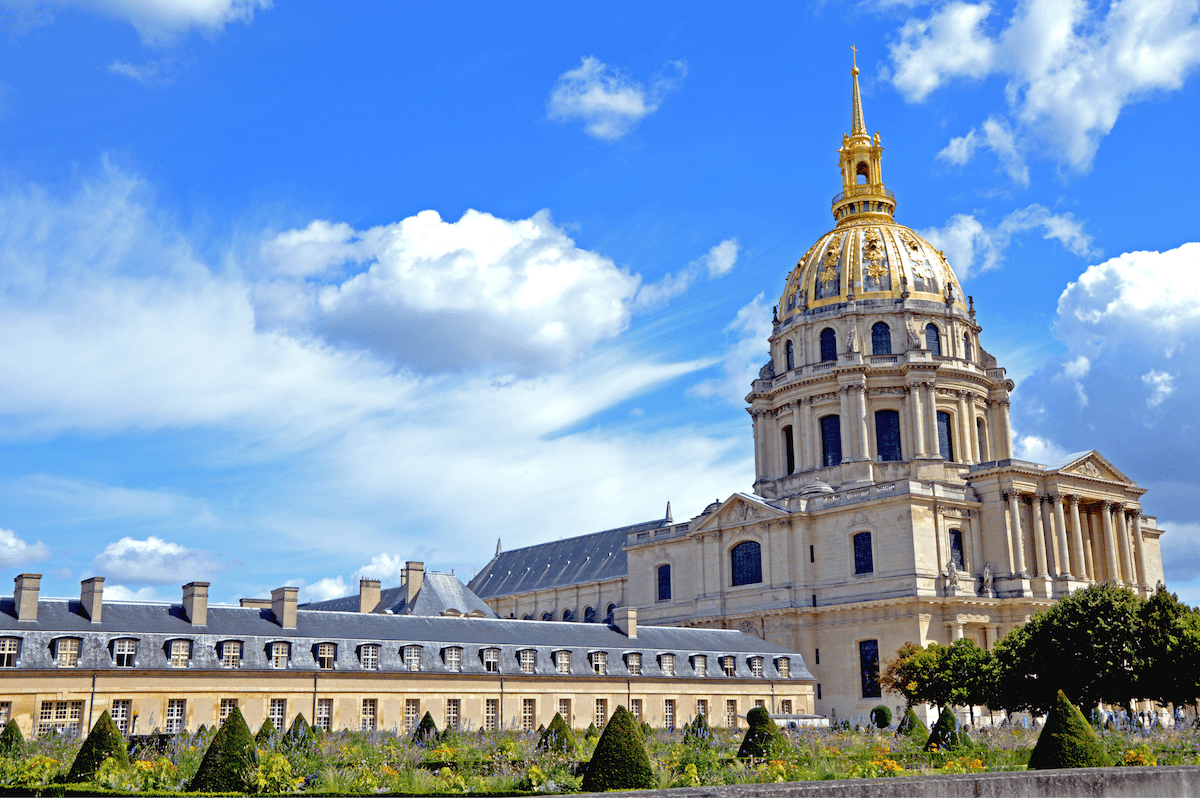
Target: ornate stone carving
[[1088, 469]]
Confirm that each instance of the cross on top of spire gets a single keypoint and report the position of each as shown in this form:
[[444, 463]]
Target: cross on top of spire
[[857, 126], [855, 56]]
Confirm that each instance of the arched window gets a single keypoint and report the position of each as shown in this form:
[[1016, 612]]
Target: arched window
[[527, 616], [881, 339], [547, 616], [956, 550], [887, 435], [932, 343], [831, 440], [864, 559], [945, 436], [608, 617], [790, 354], [868, 667], [568, 615], [589, 614], [828, 345], [981, 432], [747, 563], [664, 582], [789, 449], [968, 354]]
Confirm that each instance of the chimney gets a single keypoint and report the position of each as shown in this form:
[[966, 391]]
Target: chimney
[[25, 596], [368, 595], [91, 596], [625, 620], [195, 602], [414, 576], [283, 606]]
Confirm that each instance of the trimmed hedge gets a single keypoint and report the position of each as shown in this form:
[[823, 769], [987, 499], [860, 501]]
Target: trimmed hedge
[[426, 730], [881, 716], [230, 759], [557, 737], [696, 729], [1067, 740], [947, 733], [301, 737], [265, 733], [620, 760], [762, 733], [12, 743], [103, 742], [912, 726]]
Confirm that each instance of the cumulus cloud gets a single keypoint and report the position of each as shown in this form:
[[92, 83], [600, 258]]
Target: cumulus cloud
[[608, 101], [324, 589], [745, 356], [1161, 384], [721, 258], [1071, 67], [970, 247], [16, 552], [158, 22], [153, 560], [147, 594], [384, 567], [997, 137]]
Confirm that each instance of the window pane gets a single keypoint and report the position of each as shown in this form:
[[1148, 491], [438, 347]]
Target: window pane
[[868, 663], [370, 656], [945, 436], [887, 435], [8, 653], [828, 345], [175, 715], [668, 663], [956, 549], [747, 563], [528, 657], [881, 339], [932, 343], [864, 560], [831, 440], [664, 582], [790, 355], [454, 659]]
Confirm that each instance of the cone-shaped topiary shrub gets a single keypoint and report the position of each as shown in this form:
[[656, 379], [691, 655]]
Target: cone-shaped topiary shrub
[[912, 726], [620, 760], [12, 743], [881, 716], [946, 734], [229, 761], [760, 736], [426, 730], [203, 729], [646, 729], [591, 731], [266, 734], [558, 737], [1067, 740], [301, 737], [696, 729], [104, 741]]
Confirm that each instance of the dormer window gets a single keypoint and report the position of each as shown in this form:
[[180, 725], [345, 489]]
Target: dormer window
[[453, 658], [528, 660], [279, 654], [667, 662], [491, 660], [600, 663], [412, 657], [66, 653], [700, 665], [8, 651], [179, 652], [231, 655], [784, 665], [634, 662], [562, 662], [729, 666], [368, 656], [326, 655], [756, 666], [124, 651]]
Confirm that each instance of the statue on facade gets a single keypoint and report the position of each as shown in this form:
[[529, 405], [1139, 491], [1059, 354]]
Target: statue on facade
[[852, 339], [951, 573], [987, 579], [915, 340]]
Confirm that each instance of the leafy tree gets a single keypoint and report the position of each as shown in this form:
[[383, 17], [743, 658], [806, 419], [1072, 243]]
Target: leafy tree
[[1067, 740], [1167, 663], [620, 760], [104, 741], [1084, 644], [956, 675], [910, 673]]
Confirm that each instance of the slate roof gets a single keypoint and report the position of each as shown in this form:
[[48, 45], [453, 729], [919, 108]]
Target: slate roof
[[581, 559], [439, 593]]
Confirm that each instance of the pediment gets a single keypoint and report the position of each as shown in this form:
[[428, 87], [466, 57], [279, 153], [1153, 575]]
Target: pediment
[[1093, 465], [739, 509]]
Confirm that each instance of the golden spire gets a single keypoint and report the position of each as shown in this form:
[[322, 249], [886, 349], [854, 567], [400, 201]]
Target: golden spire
[[856, 123]]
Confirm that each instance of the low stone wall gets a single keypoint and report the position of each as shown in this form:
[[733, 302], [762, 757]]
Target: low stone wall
[[1109, 782]]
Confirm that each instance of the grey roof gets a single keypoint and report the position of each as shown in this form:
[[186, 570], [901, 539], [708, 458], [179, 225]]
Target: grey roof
[[581, 559], [439, 593], [1065, 460]]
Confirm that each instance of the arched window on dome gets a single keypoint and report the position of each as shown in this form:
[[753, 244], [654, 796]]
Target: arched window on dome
[[881, 339], [608, 618], [589, 614], [933, 342], [828, 345], [981, 433], [831, 440], [746, 560], [547, 616], [790, 355], [945, 436], [968, 353], [568, 615], [887, 435]]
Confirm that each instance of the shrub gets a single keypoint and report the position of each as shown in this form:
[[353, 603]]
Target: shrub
[[12, 743], [1067, 740], [946, 734], [760, 736], [301, 737], [103, 742], [557, 737], [266, 734], [231, 761], [881, 716], [620, 760], [426, 730], [591, 732], [696, 729], [912, 726]]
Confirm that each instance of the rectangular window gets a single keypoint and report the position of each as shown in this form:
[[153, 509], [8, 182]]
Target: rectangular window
[[956, 549], [491, 660], [412, 714], [370, 656], [369, 716], [181, 651], [231, 655], [812, 554], [668, 713], [818, 691], [700, 665], [818, 655], [491, 714], [279, 655], [8, 652], [564, 710], [278, 713], [635, 708], [731, 713], [945, 436], [664, 582], [528, 660], [454, 659], [634, 660], [66, 652], [453, 709], [5, 712], [124, 651], [784, 665], [121, 714], [600, 663], [785, 706], [868, 666], [60, 715], [528, 714], [864, 559], [756, 666], [760, 703], [226, 708], [176, 716], [789, 449], [702, 709], [887, 435], [831, 440], [667, 660], [412, 657], [326, 655], [729, 666], [601, 718], [325, 713], [562, 660]]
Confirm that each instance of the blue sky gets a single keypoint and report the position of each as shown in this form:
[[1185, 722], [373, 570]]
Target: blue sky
[[291, 294]]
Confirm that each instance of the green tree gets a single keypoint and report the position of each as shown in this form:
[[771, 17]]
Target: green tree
[[103, 742], [1167, 664], [910, 673], [1084, 644], [620, 760], [955, 675]]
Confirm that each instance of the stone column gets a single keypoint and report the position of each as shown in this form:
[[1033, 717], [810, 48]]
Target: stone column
[[1078, 562], [997, 636], [1060, 531], [1123, 544], [799, 440], [816, 447], [1139, 550], [1005, 434], [1039, 537], [848, 432], [931, 433], [860, 408], [1089, 546], [918, 428], [1015, 538], [1110, 542], [964, 431], [957, 631]]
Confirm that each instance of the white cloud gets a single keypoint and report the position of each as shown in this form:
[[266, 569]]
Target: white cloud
[[146, 594], [384, 567], [1077, 368], [153, 560], [151, 73], [721, 258], [610, 103], [161, 22], [971, 248], [1161, 384], [718, 261], [324, 589], [16, 552], [744, 358], [1071, 67], [1037, 449], [92, 500]]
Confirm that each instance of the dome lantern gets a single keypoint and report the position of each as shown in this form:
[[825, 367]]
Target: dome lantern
[[863, 192]]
